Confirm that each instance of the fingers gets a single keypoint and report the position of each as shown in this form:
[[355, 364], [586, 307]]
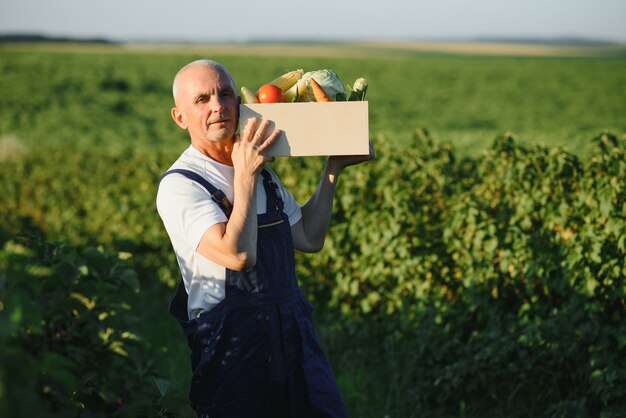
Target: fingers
[[257, 138], [254, 134], [254, 130], [343, 161], [249, 130], [269, 140]]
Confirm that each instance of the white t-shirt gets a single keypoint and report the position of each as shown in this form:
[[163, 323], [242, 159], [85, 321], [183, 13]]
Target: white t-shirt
[[188, 211]]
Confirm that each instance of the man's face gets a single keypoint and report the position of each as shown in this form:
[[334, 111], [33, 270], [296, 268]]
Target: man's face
[[206, 104]]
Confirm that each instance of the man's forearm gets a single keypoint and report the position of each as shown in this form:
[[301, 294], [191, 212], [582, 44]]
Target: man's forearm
[[241, 229]]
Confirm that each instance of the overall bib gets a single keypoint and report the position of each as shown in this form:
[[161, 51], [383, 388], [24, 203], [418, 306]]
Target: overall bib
[[256, 353]]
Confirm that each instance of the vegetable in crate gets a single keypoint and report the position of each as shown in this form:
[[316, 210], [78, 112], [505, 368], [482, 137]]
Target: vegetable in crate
[[328, 80], [359, 89], [287, 80], [247, 96], [297, 86], [269, 93], [318, 92], [292, 94]]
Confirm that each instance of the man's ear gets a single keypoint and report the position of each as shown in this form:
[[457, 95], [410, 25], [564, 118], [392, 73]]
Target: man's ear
[[179, 118]]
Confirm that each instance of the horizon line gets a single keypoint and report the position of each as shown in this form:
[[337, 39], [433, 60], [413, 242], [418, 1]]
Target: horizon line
[[564, 40]]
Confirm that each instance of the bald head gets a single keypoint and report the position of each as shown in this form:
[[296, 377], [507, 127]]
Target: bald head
[[206, 102], [179, 78]]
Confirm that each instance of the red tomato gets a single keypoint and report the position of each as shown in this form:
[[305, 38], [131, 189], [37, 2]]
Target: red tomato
[[269, 93]]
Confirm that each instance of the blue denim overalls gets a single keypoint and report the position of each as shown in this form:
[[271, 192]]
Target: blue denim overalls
[[256, 353]]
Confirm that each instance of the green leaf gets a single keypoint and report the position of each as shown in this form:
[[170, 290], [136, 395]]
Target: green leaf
[[163, 386], [129, 277], [491, 245]]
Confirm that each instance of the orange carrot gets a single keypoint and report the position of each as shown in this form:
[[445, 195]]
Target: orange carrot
[[318, 92]]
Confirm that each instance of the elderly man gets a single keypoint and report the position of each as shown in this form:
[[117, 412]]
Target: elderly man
[[234, 228]]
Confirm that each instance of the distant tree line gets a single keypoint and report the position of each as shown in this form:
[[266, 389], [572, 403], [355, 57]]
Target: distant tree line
[[30, 38]]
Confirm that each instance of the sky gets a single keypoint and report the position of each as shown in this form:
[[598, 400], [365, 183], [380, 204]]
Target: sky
[[281, 20]]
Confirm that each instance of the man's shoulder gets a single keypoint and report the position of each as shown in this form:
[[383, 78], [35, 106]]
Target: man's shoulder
[[188, 160], [192, 160], [203, 170], [171, 180]]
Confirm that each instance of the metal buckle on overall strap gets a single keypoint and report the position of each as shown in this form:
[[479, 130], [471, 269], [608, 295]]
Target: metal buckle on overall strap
[[220, 198], [273, 189], [216, 194]]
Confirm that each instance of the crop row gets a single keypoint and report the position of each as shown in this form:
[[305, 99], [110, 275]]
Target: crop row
[[508, 268]]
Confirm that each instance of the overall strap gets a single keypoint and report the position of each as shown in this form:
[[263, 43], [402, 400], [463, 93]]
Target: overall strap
[[178, 305], [274, 200], [216, 194]]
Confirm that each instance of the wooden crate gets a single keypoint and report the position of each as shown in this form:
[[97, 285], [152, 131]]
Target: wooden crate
[[313, 129]]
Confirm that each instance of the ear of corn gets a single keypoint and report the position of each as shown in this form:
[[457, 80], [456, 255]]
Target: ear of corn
[[288, 80], [296, 91], [297, 88], [305, 92]]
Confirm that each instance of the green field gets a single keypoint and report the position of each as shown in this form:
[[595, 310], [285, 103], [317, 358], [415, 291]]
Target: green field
[[474, 269], [99, 99]]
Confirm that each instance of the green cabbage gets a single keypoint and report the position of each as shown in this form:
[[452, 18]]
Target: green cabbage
[[329, 81]]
